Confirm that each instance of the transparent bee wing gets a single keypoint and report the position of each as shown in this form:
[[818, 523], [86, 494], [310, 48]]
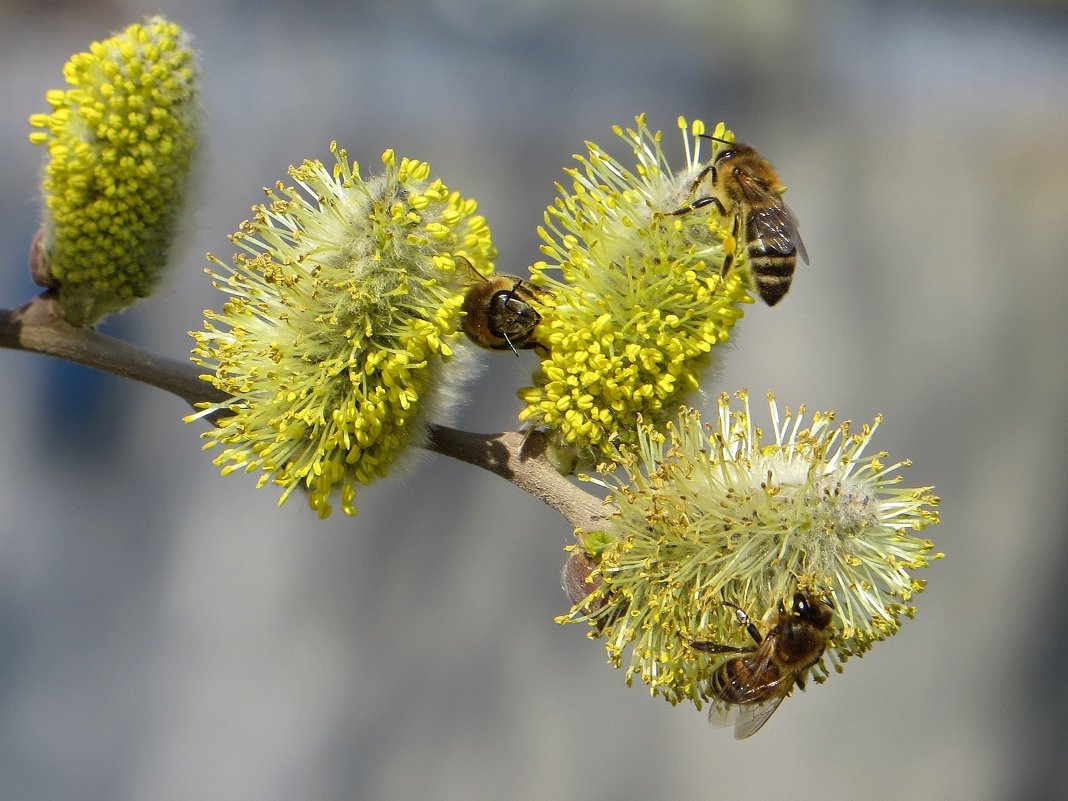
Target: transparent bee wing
[[797, 234], [752, 717], [466, 265], [748, 717], [773, 223], [751, 701], [776, 230], [721, 714], [756, 193]]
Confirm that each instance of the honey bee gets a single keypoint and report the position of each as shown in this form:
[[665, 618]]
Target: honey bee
[[745, 186], [499, 312], [748, 688]]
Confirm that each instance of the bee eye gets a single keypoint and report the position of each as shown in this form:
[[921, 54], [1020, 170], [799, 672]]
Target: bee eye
[[502, 301]]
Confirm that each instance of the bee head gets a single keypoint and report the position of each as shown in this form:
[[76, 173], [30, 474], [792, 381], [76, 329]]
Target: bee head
[[732, 149], [812, 610]]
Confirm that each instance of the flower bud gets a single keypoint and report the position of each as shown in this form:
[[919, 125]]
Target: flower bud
[[120, 144], [576, 578]]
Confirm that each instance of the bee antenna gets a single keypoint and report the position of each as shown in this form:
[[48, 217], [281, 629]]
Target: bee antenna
[[511, 294], [716, 139]]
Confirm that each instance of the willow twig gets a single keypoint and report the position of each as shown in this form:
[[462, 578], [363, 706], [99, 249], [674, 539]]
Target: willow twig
[[520, 458], [39, 327]]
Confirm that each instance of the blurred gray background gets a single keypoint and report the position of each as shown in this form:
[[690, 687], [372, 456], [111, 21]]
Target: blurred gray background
[[169, 634]]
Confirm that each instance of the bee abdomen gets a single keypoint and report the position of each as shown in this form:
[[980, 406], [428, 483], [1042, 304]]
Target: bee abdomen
[[725, 684], [772, 274], [733, 682]]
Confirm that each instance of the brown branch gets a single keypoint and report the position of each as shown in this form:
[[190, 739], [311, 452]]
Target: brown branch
[[520, 458], [39, 327], [516, 457]]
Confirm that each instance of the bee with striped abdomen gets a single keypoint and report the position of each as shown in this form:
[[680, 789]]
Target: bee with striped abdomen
[[748, 687], [743, 185]]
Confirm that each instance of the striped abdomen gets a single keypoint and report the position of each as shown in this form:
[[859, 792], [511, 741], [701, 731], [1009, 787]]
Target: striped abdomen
[[746, 679], [772, 256]]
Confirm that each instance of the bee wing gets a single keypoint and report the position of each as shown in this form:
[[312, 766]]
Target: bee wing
[[797, 235], [752, 705], [721, 714], [749, 717], [776, 230], [468, 267], [752, 717], [772, 221]]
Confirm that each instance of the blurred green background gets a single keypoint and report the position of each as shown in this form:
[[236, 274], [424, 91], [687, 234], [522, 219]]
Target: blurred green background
[[169, 634]]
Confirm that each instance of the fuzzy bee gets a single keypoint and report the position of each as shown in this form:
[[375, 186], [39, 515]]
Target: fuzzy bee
[[499, 311], [748, 687], [744, 185]]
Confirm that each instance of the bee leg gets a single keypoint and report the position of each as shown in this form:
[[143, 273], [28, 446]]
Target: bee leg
[[709, 170], [708, 200], [728, 260], [717, 648], [754, 632], [701, 202], [743, 618]]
